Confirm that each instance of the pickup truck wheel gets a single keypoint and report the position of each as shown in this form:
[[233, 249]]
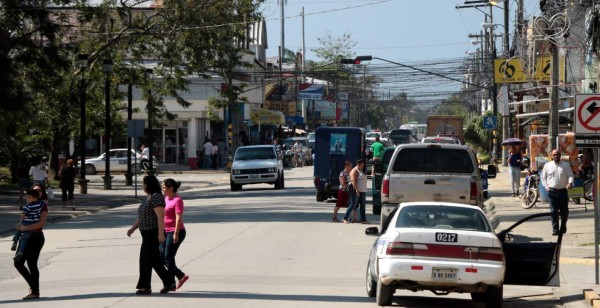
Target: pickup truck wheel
[[371, 283], [478, 297], [376, 209], [282, 180], [493, 297], [234, 186], [278, 182], [384, 294]]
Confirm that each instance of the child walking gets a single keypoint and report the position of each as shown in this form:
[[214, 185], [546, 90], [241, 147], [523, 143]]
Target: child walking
[[30, 214]]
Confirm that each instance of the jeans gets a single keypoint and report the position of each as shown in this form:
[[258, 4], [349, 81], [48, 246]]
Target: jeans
[[150, 259], [22, 237], [559, 205], [207, 161], [354, 202], [168, 250], [31, 256], [515, 178]]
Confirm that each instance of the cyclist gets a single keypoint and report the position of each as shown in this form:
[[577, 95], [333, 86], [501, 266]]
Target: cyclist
[[144, 159]]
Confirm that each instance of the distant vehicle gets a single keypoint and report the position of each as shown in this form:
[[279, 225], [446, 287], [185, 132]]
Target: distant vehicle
[[401, 136], [380, 167], [118, 162], [445, 126], [448, 247], [419, 129], [311, 140], [255, 164], [447, 140], [333, 146], [306, 152], [373, 135]]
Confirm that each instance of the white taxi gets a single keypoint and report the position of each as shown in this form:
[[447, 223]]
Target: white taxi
[[450, 247]]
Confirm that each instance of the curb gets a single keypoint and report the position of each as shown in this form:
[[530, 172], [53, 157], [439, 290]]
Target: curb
[[592, 298]]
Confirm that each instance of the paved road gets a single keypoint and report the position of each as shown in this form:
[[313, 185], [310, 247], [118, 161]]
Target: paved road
[[254, 248]]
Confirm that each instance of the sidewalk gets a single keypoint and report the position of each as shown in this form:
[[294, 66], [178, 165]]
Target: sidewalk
[[577, 249], [98, 199]]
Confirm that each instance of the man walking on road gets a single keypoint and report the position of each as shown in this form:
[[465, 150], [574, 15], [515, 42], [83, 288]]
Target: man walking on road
[[377, 149], [557, 177]]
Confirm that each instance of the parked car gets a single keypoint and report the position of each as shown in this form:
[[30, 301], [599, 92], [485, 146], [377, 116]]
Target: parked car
[[118, 161], [256, 164], [306, 151], [450, 247], [311, 140]]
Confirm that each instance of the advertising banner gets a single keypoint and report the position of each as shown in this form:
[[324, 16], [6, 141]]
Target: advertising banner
[[310, 91], [512, 70]]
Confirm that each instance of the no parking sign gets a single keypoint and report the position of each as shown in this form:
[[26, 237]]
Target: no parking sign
[[587, 120]]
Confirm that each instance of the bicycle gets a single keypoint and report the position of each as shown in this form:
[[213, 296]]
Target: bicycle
[[588, 188], [531, 190], [297, 160], [144, 166]]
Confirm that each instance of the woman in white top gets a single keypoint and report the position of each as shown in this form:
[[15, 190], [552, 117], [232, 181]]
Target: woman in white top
[[359, 181], [38, 173]]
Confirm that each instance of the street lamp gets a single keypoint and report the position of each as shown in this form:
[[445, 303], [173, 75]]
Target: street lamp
[[82, 63], [107, 69]]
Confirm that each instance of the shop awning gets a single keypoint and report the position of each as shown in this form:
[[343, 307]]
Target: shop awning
[[263, 116]]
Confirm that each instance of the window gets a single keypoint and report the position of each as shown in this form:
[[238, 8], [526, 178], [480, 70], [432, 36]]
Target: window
[[255, 153], [442, 217], [433, 160]]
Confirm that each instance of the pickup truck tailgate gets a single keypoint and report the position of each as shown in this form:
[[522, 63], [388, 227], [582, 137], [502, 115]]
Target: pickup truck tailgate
[[434, 187]]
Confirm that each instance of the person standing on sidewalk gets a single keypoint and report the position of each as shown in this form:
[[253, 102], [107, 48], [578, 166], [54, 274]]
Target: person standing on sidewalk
[[151, 222], [67, 176], [557, 177], [514, 167], [207, 152], [38, 173], [174, 229]]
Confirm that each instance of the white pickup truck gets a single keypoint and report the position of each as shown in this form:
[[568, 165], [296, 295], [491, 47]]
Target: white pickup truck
[[432, 172]]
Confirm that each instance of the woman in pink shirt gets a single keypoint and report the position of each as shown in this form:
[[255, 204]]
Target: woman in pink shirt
[[174, 229]]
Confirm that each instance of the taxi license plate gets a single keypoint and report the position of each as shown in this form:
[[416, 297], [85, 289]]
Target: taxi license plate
[[444, 274], [254, 177]]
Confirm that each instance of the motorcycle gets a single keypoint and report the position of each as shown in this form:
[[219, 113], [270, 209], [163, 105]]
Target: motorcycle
[[531, 190]]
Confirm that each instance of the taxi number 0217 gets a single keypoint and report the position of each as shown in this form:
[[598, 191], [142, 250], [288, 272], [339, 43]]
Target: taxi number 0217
[[446, 237]]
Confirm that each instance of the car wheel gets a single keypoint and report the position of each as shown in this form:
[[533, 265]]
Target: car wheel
[[493, 297], [384, 294], [90, 169], [320, 196], [371, 283], [478, 297], [278, 182]]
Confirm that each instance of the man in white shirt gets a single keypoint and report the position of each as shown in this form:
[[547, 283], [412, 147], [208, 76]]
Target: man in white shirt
[[207, 152], [557, 177]]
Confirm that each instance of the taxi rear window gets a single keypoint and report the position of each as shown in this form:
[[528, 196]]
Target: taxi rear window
[[433, 160], [442, 217]]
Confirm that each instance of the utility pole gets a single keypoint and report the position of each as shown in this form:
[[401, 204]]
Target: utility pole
[[505, 109], [554, 85], [303, 113]]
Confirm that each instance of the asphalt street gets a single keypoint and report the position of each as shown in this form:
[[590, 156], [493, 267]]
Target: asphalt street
[[254, 248]]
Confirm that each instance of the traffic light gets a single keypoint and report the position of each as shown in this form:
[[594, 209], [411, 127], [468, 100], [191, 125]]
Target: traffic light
[[356, 60]]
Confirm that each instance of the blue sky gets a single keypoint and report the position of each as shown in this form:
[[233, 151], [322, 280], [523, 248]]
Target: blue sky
[[397, 30]]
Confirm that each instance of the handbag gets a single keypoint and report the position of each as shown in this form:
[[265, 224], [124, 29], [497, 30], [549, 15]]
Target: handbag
[[50, 192], [349, 188]]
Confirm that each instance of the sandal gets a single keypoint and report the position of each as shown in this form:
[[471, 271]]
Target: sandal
[[32, 296], [334, 219], [365, 222], [143, 292]]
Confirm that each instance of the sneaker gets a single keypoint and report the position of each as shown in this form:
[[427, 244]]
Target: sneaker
[[167, 289], [18, 256], [14, 246], [182, 281]]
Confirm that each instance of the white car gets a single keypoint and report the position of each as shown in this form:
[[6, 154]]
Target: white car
[[118, 161], [256, 164], [450, 247]]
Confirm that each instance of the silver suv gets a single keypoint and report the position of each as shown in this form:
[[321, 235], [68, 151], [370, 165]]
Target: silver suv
[[256, 164]]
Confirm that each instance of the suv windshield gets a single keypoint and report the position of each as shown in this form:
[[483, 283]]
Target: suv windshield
[[442, 217], [433, 160], [254, 153]]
